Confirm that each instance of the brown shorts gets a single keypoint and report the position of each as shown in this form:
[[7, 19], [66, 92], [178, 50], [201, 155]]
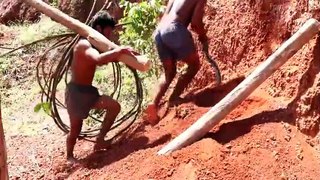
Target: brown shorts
[[80, 99]]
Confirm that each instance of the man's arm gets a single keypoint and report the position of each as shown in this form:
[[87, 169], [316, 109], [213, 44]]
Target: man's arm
[[197, 20], [100, 59]]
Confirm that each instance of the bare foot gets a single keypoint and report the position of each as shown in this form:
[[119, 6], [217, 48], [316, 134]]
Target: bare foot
[[151, 114], [71, 160], [102, 145]]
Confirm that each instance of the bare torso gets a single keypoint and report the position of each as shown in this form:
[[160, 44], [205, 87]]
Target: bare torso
[[82, 69], [180, 11]]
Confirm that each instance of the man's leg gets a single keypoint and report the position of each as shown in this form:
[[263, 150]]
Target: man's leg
[[75, 129], [193, 67], [164, 82], [113, 108]]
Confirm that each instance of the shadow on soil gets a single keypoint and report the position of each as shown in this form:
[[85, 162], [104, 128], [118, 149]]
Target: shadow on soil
[[232, 130], [208, 97], [132, 141]]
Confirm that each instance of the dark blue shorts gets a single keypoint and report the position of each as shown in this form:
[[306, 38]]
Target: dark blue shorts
[[80, 99], [174, 42]]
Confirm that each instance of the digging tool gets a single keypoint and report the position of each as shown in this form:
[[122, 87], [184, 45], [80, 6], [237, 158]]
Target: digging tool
[[212, 63], [139, 62], [245, 88]]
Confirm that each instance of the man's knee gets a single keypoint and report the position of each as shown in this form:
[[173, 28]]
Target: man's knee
[[106, 102], [116, 107], [112, 105], [193, 63]]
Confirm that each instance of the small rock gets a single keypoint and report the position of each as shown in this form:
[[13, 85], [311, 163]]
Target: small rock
[[283, 176], [287, 138], [174, 156], [170, 173], [299, 153], [229, 146], [288, 128], [275, 153], [244, 150], [311, 142], [87, 174], [300, 156], [41, 176], [294, 177], [272, 137], [274, 143]]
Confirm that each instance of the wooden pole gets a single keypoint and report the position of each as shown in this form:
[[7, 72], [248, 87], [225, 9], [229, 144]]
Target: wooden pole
[[245, 88], [3, 153], [140, 62]]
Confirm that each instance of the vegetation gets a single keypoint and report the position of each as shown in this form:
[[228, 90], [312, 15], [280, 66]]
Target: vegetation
[[18, 85], [140, 21]]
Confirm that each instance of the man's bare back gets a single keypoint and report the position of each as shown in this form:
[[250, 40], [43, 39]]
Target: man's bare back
[[182, 11]]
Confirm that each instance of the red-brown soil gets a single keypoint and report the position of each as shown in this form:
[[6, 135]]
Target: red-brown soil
[[273, 134], [16, 11]]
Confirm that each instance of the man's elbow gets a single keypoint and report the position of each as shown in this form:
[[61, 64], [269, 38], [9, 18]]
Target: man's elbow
[[101, 62]]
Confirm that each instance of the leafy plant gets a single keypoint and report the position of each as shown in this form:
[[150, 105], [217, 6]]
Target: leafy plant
[[140, 20], [44, 106]]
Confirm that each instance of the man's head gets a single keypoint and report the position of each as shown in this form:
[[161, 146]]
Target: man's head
[[103, 22]]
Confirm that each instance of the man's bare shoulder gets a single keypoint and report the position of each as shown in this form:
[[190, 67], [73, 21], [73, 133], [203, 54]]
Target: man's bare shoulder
[[82, 45]]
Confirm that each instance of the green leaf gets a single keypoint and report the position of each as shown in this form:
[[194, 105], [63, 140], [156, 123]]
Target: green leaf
[[47, 108], [37, 108]]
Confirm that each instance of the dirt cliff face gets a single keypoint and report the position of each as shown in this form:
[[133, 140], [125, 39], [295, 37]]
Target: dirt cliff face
[[244, 33], [15, 11]]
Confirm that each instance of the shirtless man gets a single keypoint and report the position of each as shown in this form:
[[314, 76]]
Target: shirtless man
[[174, 42], [81, 96]]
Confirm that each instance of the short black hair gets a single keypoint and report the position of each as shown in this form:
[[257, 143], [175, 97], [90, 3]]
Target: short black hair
[[103, 19]]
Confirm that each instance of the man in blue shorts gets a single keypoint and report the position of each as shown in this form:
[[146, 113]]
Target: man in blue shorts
[[174, 42]]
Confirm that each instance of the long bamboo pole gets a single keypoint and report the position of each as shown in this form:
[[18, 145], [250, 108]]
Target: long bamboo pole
[[140, 62], [3, 153], [244, 89]]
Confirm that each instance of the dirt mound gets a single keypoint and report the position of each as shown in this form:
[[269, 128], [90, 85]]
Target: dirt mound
[[243, 34], [257, 140], [15, 11]]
